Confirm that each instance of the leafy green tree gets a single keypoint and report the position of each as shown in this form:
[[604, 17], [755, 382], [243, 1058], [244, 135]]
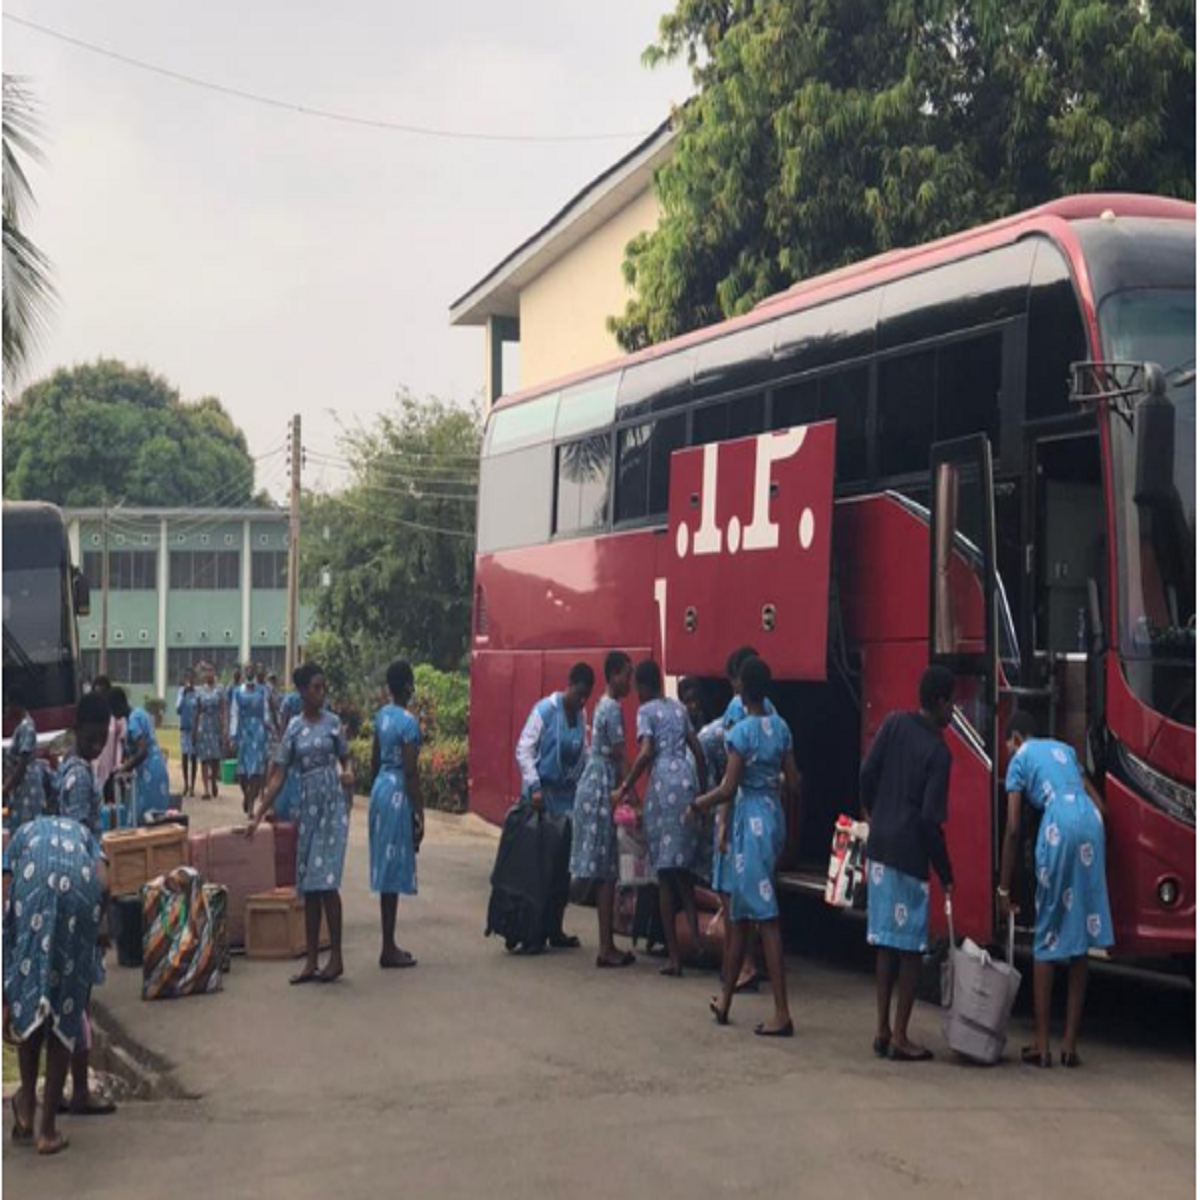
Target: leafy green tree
[[104, 432], [825, 131], [388, 559], [28, 292]]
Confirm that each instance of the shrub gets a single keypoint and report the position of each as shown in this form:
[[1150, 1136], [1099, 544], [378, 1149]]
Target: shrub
[[360, 757], [443, 767], [442, 699]]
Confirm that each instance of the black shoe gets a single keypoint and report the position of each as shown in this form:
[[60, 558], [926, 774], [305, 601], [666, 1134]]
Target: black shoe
[[564, 941]]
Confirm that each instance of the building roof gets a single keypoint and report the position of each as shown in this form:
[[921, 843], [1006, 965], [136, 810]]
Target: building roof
[[497, 293], [126, 512]]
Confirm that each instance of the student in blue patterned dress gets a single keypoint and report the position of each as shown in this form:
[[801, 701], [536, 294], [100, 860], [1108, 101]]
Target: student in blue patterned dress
[[1072, 896], [250, 704], [668, 748], [550, 756], [207, 724], [397, 812], [905, 785], [315, 744], [185, 709], [143, 760], [593, 834], [290, 707], [760, 755], [24, 782]]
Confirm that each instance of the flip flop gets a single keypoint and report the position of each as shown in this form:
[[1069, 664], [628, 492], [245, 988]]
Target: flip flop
[[720, 1015], [101, 1108], [405, 961], [305, 977], [323, 978], [22, 1134], [60, 1143], [786, 1031], [1032, 1058], [895, 1054]]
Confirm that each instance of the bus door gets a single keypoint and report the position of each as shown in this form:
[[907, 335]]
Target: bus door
[[963, 638]]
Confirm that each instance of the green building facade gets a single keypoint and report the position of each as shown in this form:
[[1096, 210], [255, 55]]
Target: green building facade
[[185, 585]]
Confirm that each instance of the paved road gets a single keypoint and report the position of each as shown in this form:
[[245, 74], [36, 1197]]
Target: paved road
[[479, 1074]]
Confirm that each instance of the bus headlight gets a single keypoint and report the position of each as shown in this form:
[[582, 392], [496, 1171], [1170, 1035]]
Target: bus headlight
[[1175, 799]]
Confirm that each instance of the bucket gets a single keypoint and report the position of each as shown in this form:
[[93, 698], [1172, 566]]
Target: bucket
[[229, 771]]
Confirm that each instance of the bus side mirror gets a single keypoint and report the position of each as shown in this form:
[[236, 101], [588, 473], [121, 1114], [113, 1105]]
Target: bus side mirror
[[1154, 442], [81, 593]]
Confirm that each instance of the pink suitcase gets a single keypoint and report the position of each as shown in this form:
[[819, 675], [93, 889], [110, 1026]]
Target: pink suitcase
[[243, 866], [285, 854]]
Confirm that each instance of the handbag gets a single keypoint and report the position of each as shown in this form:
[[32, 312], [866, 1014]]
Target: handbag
[[845, 883], [978, 994]]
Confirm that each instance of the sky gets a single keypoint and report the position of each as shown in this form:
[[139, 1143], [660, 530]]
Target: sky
[[289, 264]]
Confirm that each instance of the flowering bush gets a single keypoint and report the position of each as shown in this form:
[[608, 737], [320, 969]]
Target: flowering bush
[[443, 767]]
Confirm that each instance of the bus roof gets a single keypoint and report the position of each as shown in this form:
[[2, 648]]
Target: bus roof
[[32, 512], [1052, 219]]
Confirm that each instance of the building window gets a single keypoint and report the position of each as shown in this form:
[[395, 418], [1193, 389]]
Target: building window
[[185, 658], [273, 659], [581, 498], [204, 570], [128, 570], [124, 666], [268, 570]]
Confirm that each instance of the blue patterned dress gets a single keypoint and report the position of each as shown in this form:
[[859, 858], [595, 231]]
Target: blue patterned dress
[[185, 706], [759, 830], [51, 960], [673, 840], [1072, 895], [393, 855], [710, 863], [152, 785], [251, 705], [593, 834], [288, 800], [315, 749], [78, 793], [207, 743], [28, 799]]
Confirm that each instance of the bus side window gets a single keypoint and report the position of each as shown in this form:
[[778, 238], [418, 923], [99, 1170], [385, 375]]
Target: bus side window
[[670, 434], [633, 473], [907, 390], [968, 379], [581, 493]]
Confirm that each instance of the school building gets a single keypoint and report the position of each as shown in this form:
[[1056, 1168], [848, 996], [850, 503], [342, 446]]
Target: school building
[[185, 584], [544, 308]]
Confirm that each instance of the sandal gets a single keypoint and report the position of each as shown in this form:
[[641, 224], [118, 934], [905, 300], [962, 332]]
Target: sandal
[[750, 986], [400, 963], [785, 1031], [57, 1146], [22, 1134], [720, 1015], [304, 977], [895, 1054], [612, 964], [1032, 1057], [880, 1046], [1071, 1059]]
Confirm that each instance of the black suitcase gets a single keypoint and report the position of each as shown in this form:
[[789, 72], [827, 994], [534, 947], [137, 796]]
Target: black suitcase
[[530, 879]]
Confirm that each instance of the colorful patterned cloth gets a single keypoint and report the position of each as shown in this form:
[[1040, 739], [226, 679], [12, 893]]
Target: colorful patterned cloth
[[593, 834], [152, 786], [393, 855], [28, 799], [672, 838], [181, 950]]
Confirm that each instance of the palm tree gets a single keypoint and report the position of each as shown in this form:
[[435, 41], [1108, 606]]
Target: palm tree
[[29, 293]]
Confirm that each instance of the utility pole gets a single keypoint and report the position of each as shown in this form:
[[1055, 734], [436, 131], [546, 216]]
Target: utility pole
[[104, 588], [293, 581]]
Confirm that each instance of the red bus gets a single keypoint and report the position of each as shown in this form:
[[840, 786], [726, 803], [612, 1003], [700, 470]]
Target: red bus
[[43, 592], [948, 453]]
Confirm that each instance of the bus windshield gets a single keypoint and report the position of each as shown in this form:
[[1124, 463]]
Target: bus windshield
[[1156, 541]]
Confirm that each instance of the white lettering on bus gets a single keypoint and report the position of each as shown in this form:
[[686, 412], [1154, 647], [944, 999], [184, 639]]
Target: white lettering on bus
[[762, 533]]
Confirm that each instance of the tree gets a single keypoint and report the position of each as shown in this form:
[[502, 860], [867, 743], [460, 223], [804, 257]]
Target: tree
[[104, 432], [825, 131], [28, 291], [396, 545]]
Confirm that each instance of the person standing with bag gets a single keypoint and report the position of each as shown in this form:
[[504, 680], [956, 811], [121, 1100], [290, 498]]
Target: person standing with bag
[[905, 786], [1072, 895], [550, 755]]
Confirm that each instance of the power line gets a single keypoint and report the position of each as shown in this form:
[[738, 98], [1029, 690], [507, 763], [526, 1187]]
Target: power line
[[306, 110], [418, 525]]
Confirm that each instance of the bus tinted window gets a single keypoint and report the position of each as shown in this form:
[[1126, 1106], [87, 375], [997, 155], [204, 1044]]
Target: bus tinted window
[[735, 360], [747, 415], [969, 380], [907, 393], [581, 497], [588, 406], [670, 434], [515, 492], [1055, 336], [523, 424], [742, 416], [841, 395], [656, 384], [828, 333], [633, 473]]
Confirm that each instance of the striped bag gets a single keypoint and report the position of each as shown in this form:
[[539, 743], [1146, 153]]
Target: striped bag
[[181, 955]]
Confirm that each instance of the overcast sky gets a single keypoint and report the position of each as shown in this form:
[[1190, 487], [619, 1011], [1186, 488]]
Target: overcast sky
[[286, 263]]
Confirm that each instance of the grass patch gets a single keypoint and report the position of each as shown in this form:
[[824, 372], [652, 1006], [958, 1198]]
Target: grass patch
[[168, 741]]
